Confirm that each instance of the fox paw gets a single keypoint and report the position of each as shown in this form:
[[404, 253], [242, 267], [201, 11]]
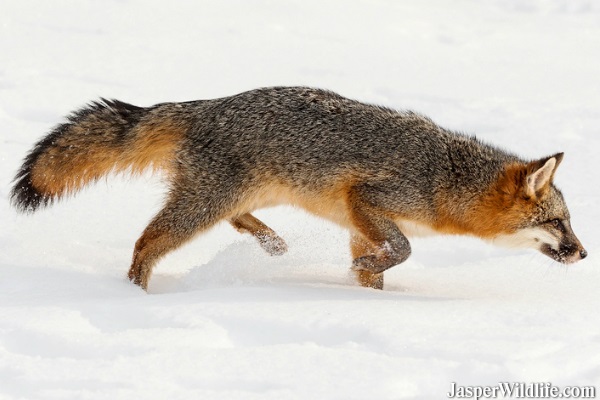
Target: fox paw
[[370, 263], [273, 244], [369, 279]]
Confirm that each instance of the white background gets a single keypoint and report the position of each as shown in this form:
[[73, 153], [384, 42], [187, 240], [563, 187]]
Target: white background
[[225, 320]]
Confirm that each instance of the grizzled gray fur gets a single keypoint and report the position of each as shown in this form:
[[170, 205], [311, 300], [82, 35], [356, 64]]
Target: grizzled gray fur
[[368, 168]]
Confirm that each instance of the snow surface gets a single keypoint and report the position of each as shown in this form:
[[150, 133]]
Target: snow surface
[[223, 320]]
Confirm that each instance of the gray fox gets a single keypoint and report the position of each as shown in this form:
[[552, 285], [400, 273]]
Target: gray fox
[[383, 174]]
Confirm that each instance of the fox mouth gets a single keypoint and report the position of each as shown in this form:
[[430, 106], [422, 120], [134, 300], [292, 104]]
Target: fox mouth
[[564, 255]]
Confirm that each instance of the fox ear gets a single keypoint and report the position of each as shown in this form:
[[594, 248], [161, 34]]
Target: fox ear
[[540, 174]]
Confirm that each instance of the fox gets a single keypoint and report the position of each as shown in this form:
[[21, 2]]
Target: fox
[[382, 174]]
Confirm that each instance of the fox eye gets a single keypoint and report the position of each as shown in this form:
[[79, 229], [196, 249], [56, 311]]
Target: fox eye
[[558, 224]]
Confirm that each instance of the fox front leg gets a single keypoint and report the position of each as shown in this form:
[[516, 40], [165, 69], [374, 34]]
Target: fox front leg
[[389, 252], [388, 244], [360, 247]]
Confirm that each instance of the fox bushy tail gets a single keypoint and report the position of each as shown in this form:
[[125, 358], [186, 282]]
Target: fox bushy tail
[[103, 137]]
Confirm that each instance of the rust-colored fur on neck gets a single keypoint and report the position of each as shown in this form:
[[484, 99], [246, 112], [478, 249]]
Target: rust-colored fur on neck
[[502, 207]]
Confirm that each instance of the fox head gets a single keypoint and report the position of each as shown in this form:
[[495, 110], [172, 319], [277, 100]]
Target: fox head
[[527, 210]]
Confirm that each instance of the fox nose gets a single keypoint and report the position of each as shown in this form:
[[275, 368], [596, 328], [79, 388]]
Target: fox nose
[[582, 253]]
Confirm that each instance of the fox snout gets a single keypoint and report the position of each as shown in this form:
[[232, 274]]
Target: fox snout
[[566, 249], [554, 239], [567, 253]]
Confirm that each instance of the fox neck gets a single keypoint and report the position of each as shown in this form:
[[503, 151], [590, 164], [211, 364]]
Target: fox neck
[[484, 209]]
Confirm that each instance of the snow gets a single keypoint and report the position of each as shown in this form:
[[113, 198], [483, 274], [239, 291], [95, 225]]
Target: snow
[[224, 320]]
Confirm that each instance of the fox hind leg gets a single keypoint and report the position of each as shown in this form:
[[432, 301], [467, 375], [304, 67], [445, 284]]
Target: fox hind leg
[[178, 222], [270, 241]]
